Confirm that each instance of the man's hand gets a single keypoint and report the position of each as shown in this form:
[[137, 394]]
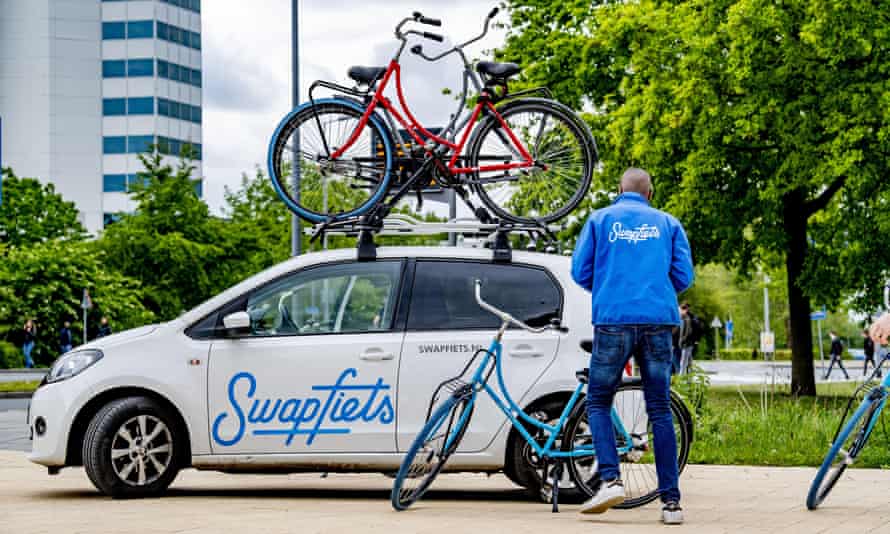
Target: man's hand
[[880, 329]]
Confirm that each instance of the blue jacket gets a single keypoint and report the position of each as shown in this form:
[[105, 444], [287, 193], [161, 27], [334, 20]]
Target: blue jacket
[[634, 259]]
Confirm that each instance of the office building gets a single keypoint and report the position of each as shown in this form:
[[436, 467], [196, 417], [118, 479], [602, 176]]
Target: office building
[[87, 85]]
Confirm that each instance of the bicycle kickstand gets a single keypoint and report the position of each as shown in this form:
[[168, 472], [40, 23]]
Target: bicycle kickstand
[[557, 475]]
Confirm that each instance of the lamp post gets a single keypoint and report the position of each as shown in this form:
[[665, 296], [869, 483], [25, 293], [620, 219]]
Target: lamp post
[[295, 167]]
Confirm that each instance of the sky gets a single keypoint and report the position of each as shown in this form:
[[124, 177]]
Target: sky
[[247, 67]]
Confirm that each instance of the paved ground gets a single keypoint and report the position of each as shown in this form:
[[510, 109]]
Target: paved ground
[[717, 499]]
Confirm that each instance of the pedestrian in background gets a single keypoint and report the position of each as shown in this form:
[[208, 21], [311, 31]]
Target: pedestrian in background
[[868, 347], [65, 342], [104, 328], [29, 337], [837, 348]]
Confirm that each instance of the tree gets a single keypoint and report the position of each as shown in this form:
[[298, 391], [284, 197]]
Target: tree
[[765, 125], [171, 243], [45, 282], [31, 213]]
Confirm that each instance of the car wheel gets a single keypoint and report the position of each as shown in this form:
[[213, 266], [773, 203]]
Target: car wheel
[[132, 448], [524, 467]]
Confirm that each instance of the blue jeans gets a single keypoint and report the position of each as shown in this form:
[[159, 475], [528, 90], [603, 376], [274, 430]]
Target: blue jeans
[[612, 347], [26, 349]]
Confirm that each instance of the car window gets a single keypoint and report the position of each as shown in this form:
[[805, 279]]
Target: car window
[[443, 296], [345, 298]]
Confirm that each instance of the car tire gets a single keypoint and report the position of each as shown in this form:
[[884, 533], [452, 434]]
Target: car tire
[[132, 448], [521, 468]]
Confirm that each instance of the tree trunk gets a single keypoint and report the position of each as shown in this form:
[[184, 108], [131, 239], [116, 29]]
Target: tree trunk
[[803, 382]]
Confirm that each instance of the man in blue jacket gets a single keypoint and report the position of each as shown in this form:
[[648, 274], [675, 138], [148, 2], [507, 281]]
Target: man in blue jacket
[[634, 259]]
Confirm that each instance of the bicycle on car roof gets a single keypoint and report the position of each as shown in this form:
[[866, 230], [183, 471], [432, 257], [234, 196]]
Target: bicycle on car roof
[[527, 157]]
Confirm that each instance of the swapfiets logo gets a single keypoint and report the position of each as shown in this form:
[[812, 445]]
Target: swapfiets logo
[[331, 412]]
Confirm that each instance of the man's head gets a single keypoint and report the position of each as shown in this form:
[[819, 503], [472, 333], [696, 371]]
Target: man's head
[[636, 180], [832, 334], [67, 324], [684, 309], [104, 321]]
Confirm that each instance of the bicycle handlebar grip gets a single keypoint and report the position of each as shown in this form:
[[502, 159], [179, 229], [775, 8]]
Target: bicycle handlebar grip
[[494, 12], [429, 21], [433, 36], [417, 49]]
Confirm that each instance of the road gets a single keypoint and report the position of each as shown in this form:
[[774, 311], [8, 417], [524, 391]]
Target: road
[[716, 500]]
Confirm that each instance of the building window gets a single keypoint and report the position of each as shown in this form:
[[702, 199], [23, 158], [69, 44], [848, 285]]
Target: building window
[[114, 106], [179, 110], [140, 29], [199, 188], [174, 147], [178, 35], [113, 30], [178, 73], [140, 67], [141, 106], [114, 68], [114, 183], [191, 5], [114, 145], [110, 218], [139, 144]]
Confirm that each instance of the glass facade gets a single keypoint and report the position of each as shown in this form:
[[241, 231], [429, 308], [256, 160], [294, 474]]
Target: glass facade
[[139, 144]]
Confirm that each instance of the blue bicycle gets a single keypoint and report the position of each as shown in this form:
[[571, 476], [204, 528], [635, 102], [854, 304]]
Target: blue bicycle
[[850, 439], [552, 447]]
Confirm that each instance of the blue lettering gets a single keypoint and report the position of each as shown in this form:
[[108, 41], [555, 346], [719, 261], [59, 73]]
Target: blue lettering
[[337, 405]]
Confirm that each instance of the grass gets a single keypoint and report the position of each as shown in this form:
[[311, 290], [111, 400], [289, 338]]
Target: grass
[[741, 426], [7, 387]]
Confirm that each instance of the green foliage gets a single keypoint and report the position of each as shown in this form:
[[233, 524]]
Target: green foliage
[[31, 213], [19, 386], [45, 282], [764, 124], [744, 354], [11, 357], [171, 243], [693, 386], [751, 428]]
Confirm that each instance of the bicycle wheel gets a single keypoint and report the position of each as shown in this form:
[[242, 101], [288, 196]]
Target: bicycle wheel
[[638, 463], [843, 451], [562, 147], [432, 447], [330, 188]]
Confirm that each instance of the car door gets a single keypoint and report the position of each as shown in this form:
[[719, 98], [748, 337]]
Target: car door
[[317, 372], [446, 327]]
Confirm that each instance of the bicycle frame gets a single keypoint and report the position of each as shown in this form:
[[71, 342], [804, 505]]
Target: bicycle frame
[[413, 126], [509, 407]]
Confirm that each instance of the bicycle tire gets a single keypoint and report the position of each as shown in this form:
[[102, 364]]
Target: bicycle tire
[[588, 480], [860, 422], [580, 159], [458, 403], [327, 123]]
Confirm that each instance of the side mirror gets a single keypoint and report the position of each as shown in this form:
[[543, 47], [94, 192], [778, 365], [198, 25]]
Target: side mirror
[[237, 324]]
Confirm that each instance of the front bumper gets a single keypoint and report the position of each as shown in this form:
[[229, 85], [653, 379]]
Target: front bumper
[[54, 404]]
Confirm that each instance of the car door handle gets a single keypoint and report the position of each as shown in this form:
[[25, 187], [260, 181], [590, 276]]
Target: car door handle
[[525, 351], [376, 355]]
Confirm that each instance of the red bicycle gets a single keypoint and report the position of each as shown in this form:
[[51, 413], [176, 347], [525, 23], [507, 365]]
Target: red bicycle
[[529, 158]]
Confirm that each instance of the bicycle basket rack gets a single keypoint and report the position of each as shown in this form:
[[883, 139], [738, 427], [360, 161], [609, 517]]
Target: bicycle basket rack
[[494, 235]]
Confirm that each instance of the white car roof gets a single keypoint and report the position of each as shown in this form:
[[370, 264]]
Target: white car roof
[[553, 262]]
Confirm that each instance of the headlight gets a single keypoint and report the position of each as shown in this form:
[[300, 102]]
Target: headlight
[[72, 364]]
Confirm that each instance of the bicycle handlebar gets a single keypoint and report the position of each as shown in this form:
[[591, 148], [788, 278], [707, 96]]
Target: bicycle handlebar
[[418, 16], [506, 317]]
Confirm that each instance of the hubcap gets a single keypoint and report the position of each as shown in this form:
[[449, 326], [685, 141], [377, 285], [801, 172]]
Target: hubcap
[[141, 450]]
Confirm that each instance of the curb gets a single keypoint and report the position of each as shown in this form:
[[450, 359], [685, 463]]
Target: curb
[[16, 394], [23, 371]]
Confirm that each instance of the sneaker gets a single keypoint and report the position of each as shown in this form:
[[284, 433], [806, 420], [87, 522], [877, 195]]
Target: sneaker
[[672, 514], [608, 495]]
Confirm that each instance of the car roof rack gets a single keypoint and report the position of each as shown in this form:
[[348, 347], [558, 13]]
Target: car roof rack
[[494, 234]]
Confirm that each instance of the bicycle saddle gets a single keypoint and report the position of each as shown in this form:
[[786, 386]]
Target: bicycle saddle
[[587, 345], [497, 70], [366, 75]]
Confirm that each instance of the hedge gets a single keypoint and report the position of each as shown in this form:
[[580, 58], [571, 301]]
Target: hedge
[[745, 354]]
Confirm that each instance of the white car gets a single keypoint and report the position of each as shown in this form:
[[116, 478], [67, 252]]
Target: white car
[[321, 363]]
